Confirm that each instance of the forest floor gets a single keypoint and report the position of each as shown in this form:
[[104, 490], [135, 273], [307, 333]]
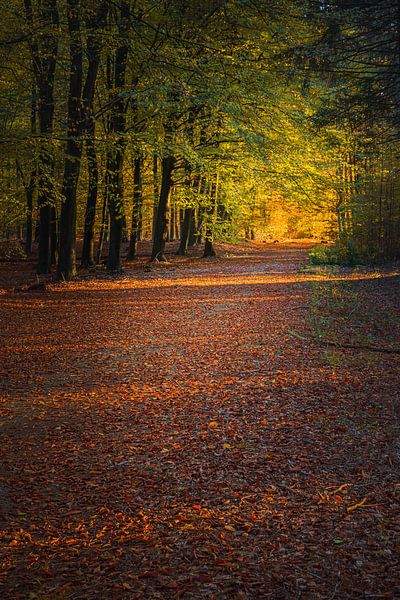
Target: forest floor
[[208, 429]]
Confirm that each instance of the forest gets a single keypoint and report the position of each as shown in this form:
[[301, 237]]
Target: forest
[[203, 121], [199, 299]]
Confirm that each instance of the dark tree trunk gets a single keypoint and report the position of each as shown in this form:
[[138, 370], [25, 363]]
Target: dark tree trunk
[[192, 229], [200, 213], [116, 207], [210, 218], [90, 213], [80, 102], [30, 192], [156, 192], [186, 231], [161, 225], [116, 159], [137, 207], [104, 219], [66, 268], [30, 188], [44, 49], [45, 186], [208, 246], [187, 226], [53, 236], [172, 216]]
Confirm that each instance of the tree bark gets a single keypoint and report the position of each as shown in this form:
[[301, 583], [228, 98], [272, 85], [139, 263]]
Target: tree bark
[[30, 192], [186, 230], [66, 268], [116, 153], [53, 236], [31, 187], [156, 193], [211, 213], [44, 50], [104, 220], [90, 212], [161, 225], [137, 206], [93, 48]]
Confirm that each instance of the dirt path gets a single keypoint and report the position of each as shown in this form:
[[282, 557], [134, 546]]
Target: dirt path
[[164, 436]]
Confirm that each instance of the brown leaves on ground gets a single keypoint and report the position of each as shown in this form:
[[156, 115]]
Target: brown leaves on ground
[[164, 436]]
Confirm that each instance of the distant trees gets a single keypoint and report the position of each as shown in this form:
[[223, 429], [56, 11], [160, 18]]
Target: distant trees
[[359, 54]]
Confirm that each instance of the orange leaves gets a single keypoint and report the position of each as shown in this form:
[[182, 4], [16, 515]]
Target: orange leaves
[[145, 439]]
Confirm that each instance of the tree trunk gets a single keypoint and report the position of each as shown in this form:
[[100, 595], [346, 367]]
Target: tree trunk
[[104, 219], [211, 214], [116, 207], [137, 206], [80, 103], [90, 213], [45, 183], [161, 225], [30, 192], [208, 246], [116, 160], [44, 50], [186, 230], [53, 235], [156, 193], [30, 188], [66, 268], [93, 53]]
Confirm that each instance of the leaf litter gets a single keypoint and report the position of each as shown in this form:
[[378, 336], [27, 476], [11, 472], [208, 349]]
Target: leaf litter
[[167, 437]]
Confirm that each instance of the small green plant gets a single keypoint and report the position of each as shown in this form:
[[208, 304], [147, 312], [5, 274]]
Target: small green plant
[[11, 250], [323, 255], [342, 253]]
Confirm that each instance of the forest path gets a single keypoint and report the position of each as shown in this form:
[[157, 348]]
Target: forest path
[[165, 435]]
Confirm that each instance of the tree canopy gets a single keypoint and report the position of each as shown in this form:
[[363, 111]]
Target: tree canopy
[[210, 120]]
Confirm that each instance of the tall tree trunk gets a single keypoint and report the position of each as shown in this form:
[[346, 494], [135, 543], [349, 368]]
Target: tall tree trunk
[[53, 235], [30, 192], [115, 206], [186, 230], [137, 206], [156, 193], [211, 213], [172, 217], [90, 212], [66, 268], [80, 104], [104, 220], [44, 50], [161, 225], [116, 156], [45, 182], [192, 229], [30, 188]]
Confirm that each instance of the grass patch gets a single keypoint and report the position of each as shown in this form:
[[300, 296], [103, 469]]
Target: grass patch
[[355, 313]]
